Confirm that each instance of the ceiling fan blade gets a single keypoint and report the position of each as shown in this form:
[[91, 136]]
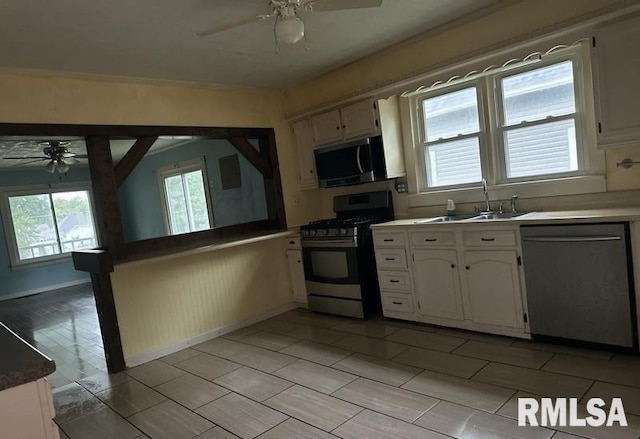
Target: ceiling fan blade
[[32, 161], [80, 156], [27, 157], [217, 30], [335, 5]]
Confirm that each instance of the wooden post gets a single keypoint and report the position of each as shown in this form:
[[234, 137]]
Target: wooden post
[[105, 193], [272, 181], [100, 265]]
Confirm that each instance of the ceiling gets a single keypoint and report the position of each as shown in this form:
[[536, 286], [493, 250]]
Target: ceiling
[[23, 151], [156, 39]]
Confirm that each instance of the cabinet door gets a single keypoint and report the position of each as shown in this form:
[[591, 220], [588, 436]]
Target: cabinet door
[[359, 119], [326, 128], [296, 273], [493, 290], [437, 284], [616, 69], [304, 148]]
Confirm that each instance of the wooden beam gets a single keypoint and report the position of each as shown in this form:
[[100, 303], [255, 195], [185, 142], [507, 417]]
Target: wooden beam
[[125, 131], [163, 244], [99, 264], [105, 193], [273, 183], [251, 154], [132, 158]]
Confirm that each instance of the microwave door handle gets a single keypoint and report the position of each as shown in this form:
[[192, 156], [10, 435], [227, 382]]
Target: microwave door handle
[[358, 159]]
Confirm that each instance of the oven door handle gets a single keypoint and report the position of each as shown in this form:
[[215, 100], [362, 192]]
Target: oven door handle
[[358, 159], [330, 243]]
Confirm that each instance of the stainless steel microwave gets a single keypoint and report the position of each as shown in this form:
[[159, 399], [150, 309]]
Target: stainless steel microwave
[[355, 162]]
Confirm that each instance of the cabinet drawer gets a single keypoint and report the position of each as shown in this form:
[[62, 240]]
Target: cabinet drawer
[[293, 243], [395, 280], [397, 302], [432, 239], [489, 238], [391, 258], [389, 239]]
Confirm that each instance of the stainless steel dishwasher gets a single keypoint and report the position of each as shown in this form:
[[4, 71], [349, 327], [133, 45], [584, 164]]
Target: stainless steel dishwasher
[[580, 283]]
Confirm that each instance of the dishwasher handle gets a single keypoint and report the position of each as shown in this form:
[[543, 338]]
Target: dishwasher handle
[[571, 238]]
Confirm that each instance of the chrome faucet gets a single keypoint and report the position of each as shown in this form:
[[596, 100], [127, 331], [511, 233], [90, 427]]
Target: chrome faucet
[[514, 209], [486, 195]]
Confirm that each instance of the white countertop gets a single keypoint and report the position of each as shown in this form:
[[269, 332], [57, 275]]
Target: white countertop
[[551, 217]]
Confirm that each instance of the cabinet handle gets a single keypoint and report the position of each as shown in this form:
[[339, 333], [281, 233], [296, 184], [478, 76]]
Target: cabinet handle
[[431, 239], [388, 240], [397, 303], [467, 267], [292, 242], [453, 265], [338, 127], [344, 126], [487, 239], [394, 281], [389, 259]]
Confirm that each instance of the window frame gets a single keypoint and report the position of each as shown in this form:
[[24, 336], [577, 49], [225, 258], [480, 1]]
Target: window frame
[[181, 168], [425, 144], [9, 229], [499, 128], [588, 179]]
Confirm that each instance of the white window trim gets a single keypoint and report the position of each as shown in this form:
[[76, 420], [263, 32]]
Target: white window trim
[[181, 168], [9, 231], [591, 180]]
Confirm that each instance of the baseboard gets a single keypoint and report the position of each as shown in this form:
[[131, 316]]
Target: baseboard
[[166, 350], [44, 289]]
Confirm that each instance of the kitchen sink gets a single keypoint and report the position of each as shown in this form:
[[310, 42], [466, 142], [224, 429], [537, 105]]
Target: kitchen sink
[[491, 216], [496, 216], [445, 219]]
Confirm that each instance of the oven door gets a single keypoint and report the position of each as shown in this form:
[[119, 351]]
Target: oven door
[[331, 269]]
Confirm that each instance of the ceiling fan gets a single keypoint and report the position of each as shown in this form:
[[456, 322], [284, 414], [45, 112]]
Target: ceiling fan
[[288, 26], [57, 155]]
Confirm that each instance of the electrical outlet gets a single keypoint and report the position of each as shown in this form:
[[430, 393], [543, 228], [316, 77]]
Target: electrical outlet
[[295, 200]]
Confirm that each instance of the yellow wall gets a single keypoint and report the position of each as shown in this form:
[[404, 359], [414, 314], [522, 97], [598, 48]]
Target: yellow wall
[[191, 295]]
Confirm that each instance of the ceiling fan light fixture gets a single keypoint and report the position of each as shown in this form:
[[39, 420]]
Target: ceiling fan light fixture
[[62, 167], [289, 29], [50, 167]]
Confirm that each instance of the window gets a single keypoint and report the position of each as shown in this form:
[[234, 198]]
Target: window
[[521, 124], [44, 225], [185, 197], [452, 133]]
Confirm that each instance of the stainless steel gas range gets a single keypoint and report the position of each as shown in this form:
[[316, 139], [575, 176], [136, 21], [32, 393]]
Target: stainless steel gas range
[[339, 261]]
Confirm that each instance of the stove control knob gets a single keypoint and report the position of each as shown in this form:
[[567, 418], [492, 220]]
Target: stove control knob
[[322, 232], [343, 231], [334, 232], [312, 232], [304, 233]]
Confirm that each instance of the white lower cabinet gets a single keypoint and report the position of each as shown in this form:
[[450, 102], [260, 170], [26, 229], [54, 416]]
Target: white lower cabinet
[[296, 270], [465, 276], [437, 284], [492, 282]]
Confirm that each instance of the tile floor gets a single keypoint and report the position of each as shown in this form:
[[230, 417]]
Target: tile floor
[[304, 375], [62, 324]]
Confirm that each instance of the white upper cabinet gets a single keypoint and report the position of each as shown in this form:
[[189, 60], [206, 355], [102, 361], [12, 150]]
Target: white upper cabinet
[[616, 69], [304, 149], [359, 119], [348, 122], [327, 127]]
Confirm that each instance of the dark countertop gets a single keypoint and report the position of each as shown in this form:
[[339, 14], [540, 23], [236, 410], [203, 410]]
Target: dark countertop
[[20, 362]]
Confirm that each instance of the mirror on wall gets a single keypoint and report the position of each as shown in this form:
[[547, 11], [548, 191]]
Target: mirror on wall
[[185, 184]]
